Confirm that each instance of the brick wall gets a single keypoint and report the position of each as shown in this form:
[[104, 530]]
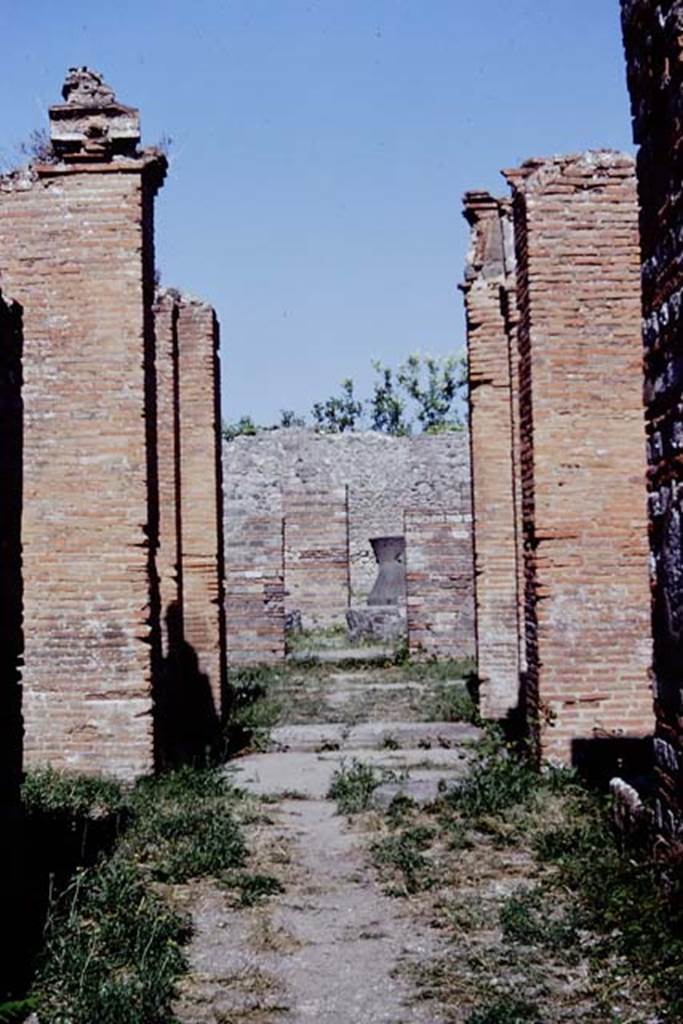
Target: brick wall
[[190, 553], [76, 239], [201, 490], [582, 451], [89, 515], [491, 398], [11, 429], [317, 556], [255, 591], [653, 35], [384, 475], [169, 552], [439, 601]]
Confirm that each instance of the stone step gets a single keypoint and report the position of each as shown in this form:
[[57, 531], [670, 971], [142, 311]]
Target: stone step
[[310, 775], [338, 655], [372, 735]]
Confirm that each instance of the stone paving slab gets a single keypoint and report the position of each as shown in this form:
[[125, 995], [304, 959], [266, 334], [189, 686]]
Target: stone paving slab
[[310, 774], [370, 735]]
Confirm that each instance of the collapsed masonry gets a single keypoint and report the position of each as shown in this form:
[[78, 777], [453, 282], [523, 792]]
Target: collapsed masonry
[[301, 509], [653, 36], [576, 399], [121, 474]]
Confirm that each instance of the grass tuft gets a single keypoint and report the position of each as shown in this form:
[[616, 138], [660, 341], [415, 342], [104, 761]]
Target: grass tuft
[[113, 951], [353, 784], [505, 1010]]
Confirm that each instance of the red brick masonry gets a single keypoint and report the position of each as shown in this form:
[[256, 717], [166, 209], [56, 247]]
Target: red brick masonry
[[587, 604], [489, 275]]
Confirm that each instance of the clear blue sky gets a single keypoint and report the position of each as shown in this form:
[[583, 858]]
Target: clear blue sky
[[320, 151]]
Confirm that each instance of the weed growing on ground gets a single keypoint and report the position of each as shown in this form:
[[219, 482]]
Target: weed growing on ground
[[252, 710], [185, 826], [79, 796], [113, 951], [505, 1010], [403, 854], [452, 703], [353, 784], [252, 888], [527, 875], [527, 917]]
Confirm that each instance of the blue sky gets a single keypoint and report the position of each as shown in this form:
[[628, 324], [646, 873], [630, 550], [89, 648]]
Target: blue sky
[[320, 151]]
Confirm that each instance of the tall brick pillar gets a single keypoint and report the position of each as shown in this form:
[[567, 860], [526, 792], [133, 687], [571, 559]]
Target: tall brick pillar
[[190, 556], [201, 491], [582, 452], [490, 270], [653, 35], [76, 251]]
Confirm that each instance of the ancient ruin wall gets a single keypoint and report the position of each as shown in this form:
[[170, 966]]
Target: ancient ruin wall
[[76, 253], [255, 591], [201, 491], [583, 463], [384, 475], [11, 429], [169, 552], [439, 603], [316, 537], [653, 35], [491, 403]]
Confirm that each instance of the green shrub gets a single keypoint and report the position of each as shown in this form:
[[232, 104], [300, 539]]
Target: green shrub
[[352, 786], [113, 951]]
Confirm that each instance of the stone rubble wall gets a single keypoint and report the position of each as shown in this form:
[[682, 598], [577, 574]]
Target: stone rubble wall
[[653, 36], [492, 399], [439, 599], [384, 476], [587, 603]]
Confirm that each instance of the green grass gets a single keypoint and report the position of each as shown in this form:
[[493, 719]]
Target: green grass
[[113, 951], [451, 703], [253, 711], [505, 1010], [619, 895], [113, 947], [48, 791], [184, 826], [528, 917]]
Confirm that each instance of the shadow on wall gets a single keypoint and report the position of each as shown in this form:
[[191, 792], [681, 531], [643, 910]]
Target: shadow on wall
[[187, 724], [11, 637]]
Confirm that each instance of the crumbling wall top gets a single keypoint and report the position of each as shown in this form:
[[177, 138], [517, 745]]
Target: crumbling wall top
[[491, 253], [91, 124], [536, 174]]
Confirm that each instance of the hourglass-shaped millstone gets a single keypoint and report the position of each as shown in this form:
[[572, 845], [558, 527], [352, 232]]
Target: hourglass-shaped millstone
[[390, 585]]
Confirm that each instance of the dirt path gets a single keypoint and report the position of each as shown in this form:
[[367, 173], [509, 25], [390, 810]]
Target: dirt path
[[333, 947]]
